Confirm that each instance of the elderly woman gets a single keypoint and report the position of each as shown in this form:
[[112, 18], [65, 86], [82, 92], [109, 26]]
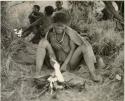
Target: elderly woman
[[66, 46]]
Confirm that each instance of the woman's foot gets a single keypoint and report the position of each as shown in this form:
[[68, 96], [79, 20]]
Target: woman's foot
[[97, 78], [37, 75]]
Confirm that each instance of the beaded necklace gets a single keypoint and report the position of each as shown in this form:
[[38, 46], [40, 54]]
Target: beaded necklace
[[62, 39]]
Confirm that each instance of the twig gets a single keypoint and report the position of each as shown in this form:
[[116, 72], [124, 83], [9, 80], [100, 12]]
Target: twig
[[118, 21], [69, 80], [44, 90]]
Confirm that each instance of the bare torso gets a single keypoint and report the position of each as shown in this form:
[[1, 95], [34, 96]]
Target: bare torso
[[63, 49]]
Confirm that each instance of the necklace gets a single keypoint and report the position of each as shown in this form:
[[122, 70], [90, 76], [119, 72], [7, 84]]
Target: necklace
[[60, 41]]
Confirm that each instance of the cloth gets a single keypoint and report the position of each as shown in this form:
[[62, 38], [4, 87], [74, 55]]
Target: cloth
[[78, 40]]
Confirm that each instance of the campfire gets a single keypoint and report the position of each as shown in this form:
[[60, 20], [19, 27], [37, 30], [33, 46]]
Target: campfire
[[56, 76]]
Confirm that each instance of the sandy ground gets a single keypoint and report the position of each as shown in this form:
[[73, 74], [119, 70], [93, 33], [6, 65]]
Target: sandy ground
[[16, 89], [91, 92]]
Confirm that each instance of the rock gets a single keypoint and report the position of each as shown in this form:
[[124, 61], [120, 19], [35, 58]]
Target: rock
[[118, 77]]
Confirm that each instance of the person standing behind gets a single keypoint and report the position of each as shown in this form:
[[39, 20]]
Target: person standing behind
[[59, 8], [42, 24], [33, 16], [59, 5]]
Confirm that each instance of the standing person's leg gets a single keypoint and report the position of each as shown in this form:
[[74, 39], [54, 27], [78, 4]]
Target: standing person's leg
[[43, 48], [88, 60]]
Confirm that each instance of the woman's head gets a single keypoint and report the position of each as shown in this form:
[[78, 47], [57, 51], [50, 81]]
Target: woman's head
[[60, 17], [59, 28]]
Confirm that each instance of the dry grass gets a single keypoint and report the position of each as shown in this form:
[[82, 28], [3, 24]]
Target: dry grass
[[105, 41]]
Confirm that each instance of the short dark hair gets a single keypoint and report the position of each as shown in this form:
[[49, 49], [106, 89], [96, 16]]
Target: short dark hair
[[60, 17], [49, 10], [59, 2], [37, 6]]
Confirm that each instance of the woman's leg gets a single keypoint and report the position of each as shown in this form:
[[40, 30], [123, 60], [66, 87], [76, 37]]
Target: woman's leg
[[76, 58], [84, 52], [43, 48]]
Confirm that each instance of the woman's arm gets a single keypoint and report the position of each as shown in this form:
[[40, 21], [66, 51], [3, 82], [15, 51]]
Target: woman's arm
[[72, 46]]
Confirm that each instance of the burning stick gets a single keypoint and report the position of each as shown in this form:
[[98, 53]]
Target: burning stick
[[56, 67], [57, 76]]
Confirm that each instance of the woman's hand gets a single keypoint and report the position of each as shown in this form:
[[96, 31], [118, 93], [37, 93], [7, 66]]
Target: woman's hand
[[63, 67]]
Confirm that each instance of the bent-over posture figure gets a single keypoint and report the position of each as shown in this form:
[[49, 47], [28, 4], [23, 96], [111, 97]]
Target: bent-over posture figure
[[67, 47]]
